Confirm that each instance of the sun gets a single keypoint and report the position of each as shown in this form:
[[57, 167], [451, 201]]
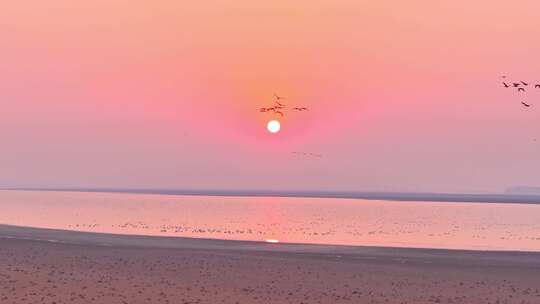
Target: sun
[[273, 126]]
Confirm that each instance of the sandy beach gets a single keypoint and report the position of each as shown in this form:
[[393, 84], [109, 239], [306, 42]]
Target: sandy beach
[[55, 266]]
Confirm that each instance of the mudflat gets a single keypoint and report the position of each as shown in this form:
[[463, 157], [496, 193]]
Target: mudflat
[[55, 266]]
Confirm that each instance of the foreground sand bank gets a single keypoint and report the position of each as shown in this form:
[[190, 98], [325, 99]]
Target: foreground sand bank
[[54, 266]]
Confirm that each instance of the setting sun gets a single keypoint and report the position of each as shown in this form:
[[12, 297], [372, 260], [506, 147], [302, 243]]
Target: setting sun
[[273, 126]]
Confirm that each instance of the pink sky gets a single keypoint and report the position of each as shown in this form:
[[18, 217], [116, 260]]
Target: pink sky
[[404, 96]]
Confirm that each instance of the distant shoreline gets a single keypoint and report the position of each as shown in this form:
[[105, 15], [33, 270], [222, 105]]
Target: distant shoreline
[[390, 196]]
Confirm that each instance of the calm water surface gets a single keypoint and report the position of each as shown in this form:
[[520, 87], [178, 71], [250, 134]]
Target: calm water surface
[[296, 220]]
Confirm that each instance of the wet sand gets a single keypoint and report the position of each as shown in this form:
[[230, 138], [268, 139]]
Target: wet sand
[[55, 266]]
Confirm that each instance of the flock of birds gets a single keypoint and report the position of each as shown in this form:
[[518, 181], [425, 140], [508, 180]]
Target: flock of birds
[[279, 107], [521, 87], [307, 154]]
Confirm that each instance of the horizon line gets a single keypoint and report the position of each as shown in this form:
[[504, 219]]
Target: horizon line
[[515, 198]]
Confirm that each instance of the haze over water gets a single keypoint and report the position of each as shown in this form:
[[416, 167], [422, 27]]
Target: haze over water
[[292, 220]]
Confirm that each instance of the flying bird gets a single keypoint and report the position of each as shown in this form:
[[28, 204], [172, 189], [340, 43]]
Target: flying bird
[[278, 97], [537, 86], [279, 108], [524, 83], [525, 104], [506, 85], [308, 154], [516, 84], [521, 90], [280, 104]]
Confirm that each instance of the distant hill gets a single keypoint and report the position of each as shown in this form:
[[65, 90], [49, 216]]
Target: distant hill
[[523, 190]]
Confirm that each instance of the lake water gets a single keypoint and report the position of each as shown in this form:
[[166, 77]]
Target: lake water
[[293, 220]]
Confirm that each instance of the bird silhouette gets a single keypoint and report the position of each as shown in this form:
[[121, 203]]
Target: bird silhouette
[[278, 97], [279, 108], [524, 83], [537, 86], [521, 90], [525, 104], [516, 84], [506, 85], [309, 154]]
